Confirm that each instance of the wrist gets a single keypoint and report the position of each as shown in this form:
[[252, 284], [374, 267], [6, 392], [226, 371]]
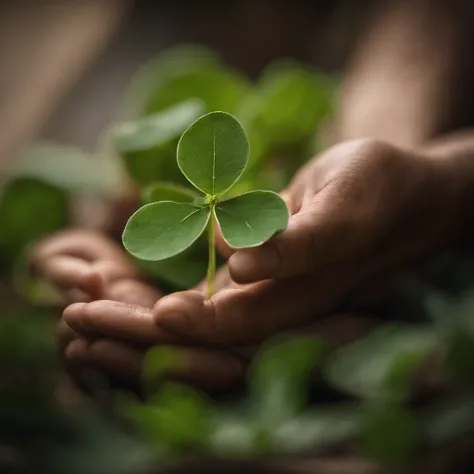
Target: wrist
[[452, 169]]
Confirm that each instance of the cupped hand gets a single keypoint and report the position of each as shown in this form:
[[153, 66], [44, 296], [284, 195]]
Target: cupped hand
[[360, 211], [110, 324]]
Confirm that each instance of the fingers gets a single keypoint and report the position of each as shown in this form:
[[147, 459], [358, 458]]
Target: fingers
[[112, 357], [81, 264], [346, 207], [65, 335], [293, 202], [91, 279], [117, 320], [69, 273], [246, 315], [288, 254], [84, 244], [208, 369], [132, 292]]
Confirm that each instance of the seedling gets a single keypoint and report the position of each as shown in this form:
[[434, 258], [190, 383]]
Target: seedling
[[212, 155]]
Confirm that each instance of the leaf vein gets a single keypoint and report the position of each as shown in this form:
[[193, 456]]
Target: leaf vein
[[169, 229], [238, 218]]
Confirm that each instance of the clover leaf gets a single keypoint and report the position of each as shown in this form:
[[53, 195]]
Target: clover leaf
[[212, 154]]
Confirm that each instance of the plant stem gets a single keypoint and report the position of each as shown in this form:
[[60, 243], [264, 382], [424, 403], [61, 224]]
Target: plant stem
[[211, 268]]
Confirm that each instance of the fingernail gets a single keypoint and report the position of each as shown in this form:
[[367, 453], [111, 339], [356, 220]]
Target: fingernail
[[253, 264]]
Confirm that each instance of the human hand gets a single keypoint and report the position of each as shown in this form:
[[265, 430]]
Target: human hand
[[359, 211], [112, 336]]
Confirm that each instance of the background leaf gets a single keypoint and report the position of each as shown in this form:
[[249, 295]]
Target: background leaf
[[213, 152], [459, 357], [279, 378], [293, 101], [252, 218], [161, 230], [281, 116], [156, 129], [68, 168], [183, 271], [168, 192], [390, 434], [156, 73], [29, 210], [234, 436], [219, 87], [175, 418], [158, 362], [318, 428], [380, 365], [148, 146]]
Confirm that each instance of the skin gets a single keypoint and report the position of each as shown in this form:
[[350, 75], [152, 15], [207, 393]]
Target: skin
[[362, 211]]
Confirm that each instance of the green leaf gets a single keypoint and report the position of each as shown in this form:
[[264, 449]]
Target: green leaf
[[318, 429], [390, 434], [26, 342], [158, 72], [279, 378], [454, 313], [380, 365], [182, 414], [250, 219], [293, 101], [168, 192], [148, 146], [183, 271], [157, 164], [145, 420], [175, 419], [68, 168], [158, 362], [459, 357], [213, 152], [29, 210], [161, 230], [235, 437], [219, 87], [33, 288], [156, 129]]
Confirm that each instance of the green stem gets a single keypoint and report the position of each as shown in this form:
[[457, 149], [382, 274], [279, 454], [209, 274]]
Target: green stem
[[211, 268]]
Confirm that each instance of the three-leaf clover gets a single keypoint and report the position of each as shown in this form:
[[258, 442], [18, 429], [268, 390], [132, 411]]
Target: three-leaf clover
[[212, 155]]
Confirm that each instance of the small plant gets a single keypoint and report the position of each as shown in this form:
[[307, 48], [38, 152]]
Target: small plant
[[212, 154]]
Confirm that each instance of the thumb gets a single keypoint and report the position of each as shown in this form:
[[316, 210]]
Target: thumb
[[238, 316], [288, 254]]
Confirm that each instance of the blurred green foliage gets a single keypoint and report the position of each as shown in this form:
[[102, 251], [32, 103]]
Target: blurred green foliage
[[374, 413], [37, 432]]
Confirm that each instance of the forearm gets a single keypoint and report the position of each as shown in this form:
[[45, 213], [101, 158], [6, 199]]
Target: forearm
[[411, 76], [452, 159]]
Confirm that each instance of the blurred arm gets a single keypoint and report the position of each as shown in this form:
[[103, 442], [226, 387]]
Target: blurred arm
[[411, 76]]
